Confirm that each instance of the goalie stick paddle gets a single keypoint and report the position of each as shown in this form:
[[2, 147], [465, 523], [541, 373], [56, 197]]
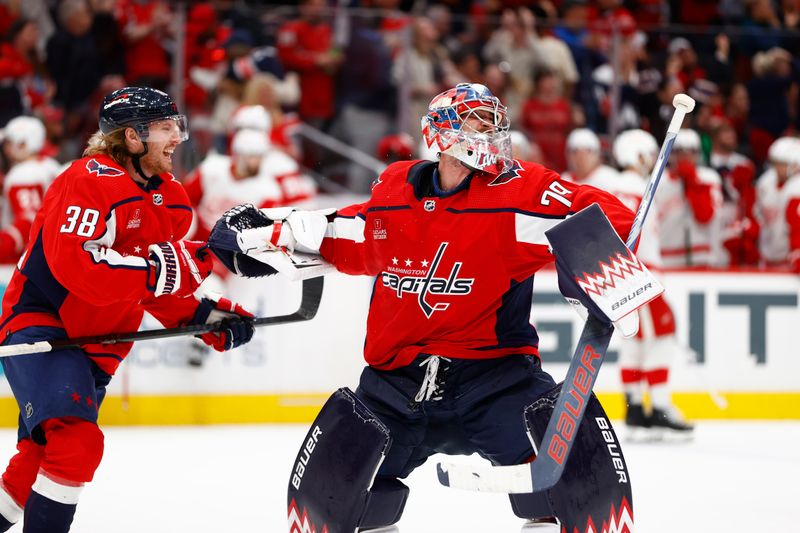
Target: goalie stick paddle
[[546, 470], [309, 305]]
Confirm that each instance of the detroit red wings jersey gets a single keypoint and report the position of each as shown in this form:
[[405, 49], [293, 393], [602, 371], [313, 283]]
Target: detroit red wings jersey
[[213, 189], [85, 267], [455, 273], [777, 210], [23, 191], [690, 229]]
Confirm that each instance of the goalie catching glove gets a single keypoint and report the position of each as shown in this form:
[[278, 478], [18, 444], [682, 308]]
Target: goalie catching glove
[[178, 268], [244, 233], [235, 322]]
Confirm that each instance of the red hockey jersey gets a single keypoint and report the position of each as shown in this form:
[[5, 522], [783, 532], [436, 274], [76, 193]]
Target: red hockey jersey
[[455, 272], [85, 267]]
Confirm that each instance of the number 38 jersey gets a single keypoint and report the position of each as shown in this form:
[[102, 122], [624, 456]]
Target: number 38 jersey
[[85, 268], [455, 270]]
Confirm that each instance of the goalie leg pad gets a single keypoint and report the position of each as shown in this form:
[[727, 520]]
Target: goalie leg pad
[[595, 487], [329, 488]]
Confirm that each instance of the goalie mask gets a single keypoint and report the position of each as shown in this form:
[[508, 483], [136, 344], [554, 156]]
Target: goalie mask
[[470, 124]]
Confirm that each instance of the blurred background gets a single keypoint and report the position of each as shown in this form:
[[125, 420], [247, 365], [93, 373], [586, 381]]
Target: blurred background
[[304, 103]]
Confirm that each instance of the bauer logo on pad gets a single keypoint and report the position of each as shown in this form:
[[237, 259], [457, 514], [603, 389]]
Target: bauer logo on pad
[[595, 267]]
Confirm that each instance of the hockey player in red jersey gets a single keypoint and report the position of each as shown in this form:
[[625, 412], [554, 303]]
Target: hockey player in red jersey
[[105, 247], [452, 356], [24, 184]]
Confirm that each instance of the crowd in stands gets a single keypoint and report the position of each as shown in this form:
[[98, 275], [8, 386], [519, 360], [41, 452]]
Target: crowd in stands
[[364, 71]]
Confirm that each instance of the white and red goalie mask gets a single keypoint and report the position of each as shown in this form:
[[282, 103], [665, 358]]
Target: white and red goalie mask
[[470, 124]]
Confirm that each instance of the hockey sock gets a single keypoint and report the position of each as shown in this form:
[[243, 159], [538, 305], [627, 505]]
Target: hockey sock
[[632, 385], [50, 507], [657, 379], [10, 511]]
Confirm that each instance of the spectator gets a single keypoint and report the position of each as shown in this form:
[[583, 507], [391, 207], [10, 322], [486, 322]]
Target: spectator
[[145, 24], [25, 183], [367, 98], [24, 83], [74, 63], [306, 46], [777, 207], [690, 196], [737, 108], [267, 92], [759, 28], [547, 119], [422, 70], [740, 234], [108, 38], [768, 93]]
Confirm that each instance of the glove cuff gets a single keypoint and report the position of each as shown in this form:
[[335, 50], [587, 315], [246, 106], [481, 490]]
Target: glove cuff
[[167, 274]]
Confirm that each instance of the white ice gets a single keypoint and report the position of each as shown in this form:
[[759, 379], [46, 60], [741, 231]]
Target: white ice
[[735, 477]]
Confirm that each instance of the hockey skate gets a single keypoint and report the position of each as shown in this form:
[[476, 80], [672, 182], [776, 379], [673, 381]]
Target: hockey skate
[[540, 525], [668, 424], [637, 423]]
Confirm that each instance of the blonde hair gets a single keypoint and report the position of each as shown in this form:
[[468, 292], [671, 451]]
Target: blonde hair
[[110, 144]]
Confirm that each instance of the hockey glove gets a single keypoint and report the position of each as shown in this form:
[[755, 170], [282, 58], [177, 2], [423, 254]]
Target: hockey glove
[[178, 267], [235, 322], [223, 241]]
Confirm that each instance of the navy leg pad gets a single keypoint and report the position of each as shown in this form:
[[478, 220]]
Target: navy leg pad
[[334, 470], [595, 486]]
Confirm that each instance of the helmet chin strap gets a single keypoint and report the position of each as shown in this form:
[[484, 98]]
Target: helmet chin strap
[[135, 160]]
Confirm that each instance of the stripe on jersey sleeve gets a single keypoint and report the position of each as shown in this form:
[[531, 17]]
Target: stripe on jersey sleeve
[[530, 228], [348, 228], [101, 251]]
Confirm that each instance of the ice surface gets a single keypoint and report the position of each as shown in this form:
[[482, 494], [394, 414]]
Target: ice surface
[[735, 477]]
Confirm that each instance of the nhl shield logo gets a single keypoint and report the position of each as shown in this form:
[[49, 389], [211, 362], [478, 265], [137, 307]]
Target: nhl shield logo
[[429, 205], [158, 199]]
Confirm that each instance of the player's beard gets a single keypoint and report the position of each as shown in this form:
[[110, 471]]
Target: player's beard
[[157, 160]]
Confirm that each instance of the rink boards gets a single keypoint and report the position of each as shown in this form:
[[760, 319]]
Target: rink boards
[[739, 359]]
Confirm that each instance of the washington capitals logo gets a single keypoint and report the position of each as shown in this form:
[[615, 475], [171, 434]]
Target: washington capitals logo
[[102, 170], [510, 174], [618, 267], [422, 286]]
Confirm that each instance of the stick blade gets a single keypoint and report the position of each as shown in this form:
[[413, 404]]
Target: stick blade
[[515, 479]]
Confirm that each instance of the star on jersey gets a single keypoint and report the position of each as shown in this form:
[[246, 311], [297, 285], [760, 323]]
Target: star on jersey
[[429, 284], [137, 249], [394, 260], [425, 262]]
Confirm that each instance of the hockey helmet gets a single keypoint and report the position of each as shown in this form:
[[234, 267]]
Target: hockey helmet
[[139, 108], [26, 131], [249, 143], [253, 117], [445, 128], [635, 149], [583, 138], [784, 150], [687, 139]]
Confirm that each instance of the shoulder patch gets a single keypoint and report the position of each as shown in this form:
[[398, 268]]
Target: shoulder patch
[[509, 175], [94, 167]]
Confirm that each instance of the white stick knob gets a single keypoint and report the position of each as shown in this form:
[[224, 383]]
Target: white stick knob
[[683, 104]]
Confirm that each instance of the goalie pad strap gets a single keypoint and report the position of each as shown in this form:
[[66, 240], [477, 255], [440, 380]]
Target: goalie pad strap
[[276, 233]]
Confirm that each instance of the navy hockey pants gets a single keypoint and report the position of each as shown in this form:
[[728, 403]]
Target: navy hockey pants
[[474, 406]]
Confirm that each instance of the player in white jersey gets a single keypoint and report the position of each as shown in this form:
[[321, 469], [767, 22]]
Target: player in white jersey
[[584, 159], [690, 196], [740, 234], [24, 184], [644, 359], [777, 206], [295, 186]]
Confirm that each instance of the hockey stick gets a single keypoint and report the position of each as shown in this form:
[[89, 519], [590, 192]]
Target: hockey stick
[[309, 304], [581, 376]]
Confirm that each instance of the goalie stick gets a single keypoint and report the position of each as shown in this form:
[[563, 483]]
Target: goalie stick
[[309, 304], [556, 445]]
